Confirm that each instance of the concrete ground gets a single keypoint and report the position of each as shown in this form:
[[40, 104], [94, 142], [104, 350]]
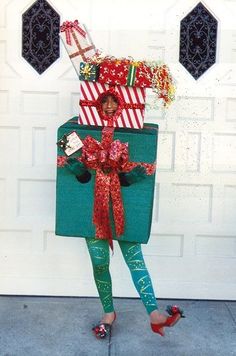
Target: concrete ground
[[61, 326]]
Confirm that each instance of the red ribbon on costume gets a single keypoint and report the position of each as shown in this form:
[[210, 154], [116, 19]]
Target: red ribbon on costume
[[124, 106], [107, 158], [68, 27]]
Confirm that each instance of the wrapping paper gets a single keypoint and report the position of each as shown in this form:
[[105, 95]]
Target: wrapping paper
[[125, 72], [89, 72], [128, 116], [75, 201]]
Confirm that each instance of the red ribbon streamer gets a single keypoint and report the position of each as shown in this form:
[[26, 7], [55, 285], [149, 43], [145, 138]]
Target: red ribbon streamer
[[68, 27], [124, 106], [107, 158]]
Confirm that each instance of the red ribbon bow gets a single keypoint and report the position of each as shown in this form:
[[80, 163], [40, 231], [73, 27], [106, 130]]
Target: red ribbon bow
[[68, 27], [107, 158]]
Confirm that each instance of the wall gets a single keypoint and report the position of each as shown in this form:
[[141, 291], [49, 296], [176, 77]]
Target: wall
[[192, 249]]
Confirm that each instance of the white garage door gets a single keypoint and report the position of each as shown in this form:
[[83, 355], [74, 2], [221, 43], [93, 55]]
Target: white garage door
[[192, 249]]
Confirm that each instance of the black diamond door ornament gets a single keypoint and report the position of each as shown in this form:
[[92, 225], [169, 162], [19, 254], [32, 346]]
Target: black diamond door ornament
[[40, 35], [198, 37]]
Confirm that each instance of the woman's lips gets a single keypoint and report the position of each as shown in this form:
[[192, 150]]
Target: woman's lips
[[110, 112]]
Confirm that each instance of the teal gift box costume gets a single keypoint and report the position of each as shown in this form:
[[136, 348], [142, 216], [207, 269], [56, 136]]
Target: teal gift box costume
[[75, 201]]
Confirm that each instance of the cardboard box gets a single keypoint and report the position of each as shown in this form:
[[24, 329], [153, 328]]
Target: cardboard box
[[131, 110], [77, 42], [125, 72], [89, 72], [74, 200]]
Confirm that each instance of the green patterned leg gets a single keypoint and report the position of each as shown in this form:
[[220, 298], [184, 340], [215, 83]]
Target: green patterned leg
[[133, 256], [99, 253]]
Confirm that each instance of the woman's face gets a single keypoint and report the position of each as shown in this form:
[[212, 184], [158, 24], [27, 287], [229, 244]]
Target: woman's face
[[109, 105]]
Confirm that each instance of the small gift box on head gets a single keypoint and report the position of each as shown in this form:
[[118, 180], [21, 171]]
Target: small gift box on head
[[89, 72], [115, 106], [77, 42]]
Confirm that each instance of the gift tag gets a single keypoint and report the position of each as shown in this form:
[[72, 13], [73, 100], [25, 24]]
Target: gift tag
[[70, 143]]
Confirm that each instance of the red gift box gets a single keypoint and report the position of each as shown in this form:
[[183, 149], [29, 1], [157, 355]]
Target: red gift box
[[125, 72]]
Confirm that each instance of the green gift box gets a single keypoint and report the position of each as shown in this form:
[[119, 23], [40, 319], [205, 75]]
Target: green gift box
[[88, 72], [74, 200]]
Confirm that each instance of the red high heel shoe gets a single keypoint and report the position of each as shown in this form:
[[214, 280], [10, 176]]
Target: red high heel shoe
[[158, 328], [102, 330], [175, 314]]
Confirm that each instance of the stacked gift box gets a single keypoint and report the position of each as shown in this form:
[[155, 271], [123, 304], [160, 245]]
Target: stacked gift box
[[77, 42], [130, 80], [75, 201], [108, 146]]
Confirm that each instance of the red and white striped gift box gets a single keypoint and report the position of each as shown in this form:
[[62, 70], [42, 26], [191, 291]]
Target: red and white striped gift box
[[131, 113]]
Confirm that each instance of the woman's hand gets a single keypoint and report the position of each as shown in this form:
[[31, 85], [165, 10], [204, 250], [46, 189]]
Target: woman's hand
[[79, 170], [136, 175]]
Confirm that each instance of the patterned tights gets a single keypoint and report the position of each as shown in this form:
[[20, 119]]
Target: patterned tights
[[132, 253]]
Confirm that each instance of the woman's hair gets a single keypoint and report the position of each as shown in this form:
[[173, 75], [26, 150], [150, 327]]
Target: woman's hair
[[105, 97]]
